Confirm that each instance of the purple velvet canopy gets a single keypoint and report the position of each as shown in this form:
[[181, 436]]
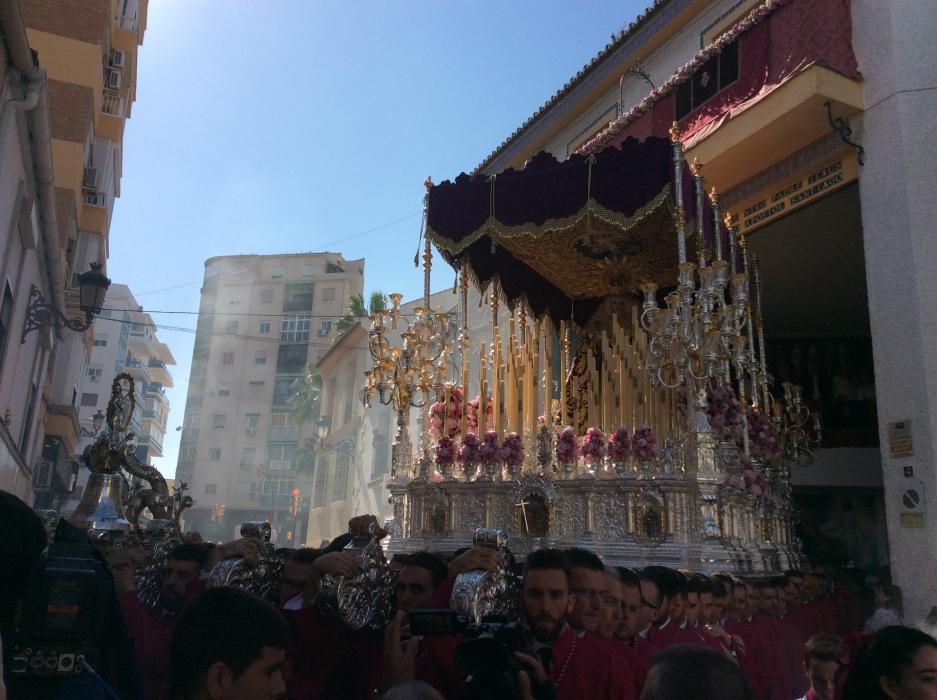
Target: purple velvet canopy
[[565, 235]]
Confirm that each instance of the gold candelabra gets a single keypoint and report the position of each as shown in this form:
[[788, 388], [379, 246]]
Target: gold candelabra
[[800, 428]]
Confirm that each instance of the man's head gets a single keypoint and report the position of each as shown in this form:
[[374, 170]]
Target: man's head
[[810, 587], [740, 602], [795, 584], [228, 645], [721, 599], [697, 672], [588, 584], [824, 657], [698, 600], [631, 608], [767, 597], [298, 574], [546, 596], [182, 568], [612, 605], [658, 587], [678, 601], [417, 580]]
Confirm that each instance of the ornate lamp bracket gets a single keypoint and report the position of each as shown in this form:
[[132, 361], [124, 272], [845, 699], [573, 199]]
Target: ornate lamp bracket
[[41, 313]]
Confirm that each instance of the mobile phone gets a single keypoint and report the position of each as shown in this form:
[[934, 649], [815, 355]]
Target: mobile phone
[[433, 622]]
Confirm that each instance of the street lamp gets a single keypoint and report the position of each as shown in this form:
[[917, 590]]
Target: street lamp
[[40, 313], [97, 421], [323, 426]]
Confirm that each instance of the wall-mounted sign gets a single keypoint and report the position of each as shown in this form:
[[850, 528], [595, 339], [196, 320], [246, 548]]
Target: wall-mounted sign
[[912, 506], [899, 439], [793, 193]]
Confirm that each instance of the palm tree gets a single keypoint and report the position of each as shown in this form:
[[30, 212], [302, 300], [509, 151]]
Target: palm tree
[[356, 310], [304, 400]]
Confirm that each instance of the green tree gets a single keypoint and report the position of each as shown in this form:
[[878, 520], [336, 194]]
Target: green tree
[[356, 310], [305, 408]]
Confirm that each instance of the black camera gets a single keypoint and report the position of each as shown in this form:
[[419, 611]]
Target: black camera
[[485, 654], [65, 607]]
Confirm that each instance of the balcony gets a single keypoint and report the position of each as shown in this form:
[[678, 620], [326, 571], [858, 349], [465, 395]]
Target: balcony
[[285, 433], [136, 369], [159, 372], [140, 341]]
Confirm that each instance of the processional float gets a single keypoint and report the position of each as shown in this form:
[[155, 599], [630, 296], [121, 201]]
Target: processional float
[[622, 401]]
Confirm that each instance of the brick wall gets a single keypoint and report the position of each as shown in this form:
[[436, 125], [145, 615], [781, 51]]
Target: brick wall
[[65, 214], [84, 20], [71, 111]]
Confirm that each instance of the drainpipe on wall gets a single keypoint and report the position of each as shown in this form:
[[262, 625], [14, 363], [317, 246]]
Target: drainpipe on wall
[[36, 105]]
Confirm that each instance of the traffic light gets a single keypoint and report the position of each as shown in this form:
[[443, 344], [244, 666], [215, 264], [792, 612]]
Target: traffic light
[[294, 503]]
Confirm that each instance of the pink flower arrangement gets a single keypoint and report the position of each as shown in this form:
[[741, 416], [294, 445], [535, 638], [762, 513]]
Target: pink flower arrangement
[[567, 446], [619, 445], [644, 443], [593, 445], [724, 411], [512, 450], [490, 447], [445, 418], [446, 450], [471, 415], [753, 480], [470, 450], [763, 437], [734, 481]]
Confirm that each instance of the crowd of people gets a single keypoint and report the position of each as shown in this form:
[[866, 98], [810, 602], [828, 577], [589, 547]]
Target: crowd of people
[[586, 630]]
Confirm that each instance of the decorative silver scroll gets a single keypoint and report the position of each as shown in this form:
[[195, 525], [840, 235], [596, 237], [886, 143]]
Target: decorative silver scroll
[[479, 593], [366, 601], [263, 579]]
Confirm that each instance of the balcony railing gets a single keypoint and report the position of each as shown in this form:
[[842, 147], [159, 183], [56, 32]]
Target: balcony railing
[[286, 433], [129, 23], [159, 364], [113, 103], [96, 199]]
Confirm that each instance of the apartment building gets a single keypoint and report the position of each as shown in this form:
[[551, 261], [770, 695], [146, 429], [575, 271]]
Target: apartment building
[[88, 49], [262, 320], [68, 72]]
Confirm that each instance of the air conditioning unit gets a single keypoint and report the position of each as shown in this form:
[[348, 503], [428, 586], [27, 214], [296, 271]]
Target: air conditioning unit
[[118, 59], [42, 474], [112, 80], [93, 378]]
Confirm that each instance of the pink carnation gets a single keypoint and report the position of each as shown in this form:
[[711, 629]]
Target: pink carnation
[[619, 445], [445, 451], [469, 451], [490, 448], [593, 444], [512, 450], [644, 443], [567, 446]]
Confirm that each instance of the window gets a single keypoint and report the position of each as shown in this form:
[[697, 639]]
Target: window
[[709, 79], [325, 327], [277, 272], [218, 420], [248, 457], [322, 475], [264, 328], [211, 489], [298, 297], [94, 374], [214, 454], [255, 388], [6, 318], [295, 329], [235, 301], [190, 422], [89, 399], [328, 294], [100, 342], [187, 454], [291, 359], [224, 390], [251, 422], [278, 485], [280, 457], [283, 389], [280, 420], [342, 463], [227, 358], [266, 296], [260, 357], [308, 270], [231, 327]]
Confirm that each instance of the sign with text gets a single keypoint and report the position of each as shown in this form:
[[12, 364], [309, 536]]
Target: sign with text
[[793, 193], [912, 506], [900, 443]]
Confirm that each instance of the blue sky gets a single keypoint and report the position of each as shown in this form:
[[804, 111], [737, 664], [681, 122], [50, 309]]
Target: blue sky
[[278, 127]]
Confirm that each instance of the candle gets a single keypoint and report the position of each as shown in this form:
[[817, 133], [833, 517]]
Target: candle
[[547, 370], [482, 390], [563, 371]]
